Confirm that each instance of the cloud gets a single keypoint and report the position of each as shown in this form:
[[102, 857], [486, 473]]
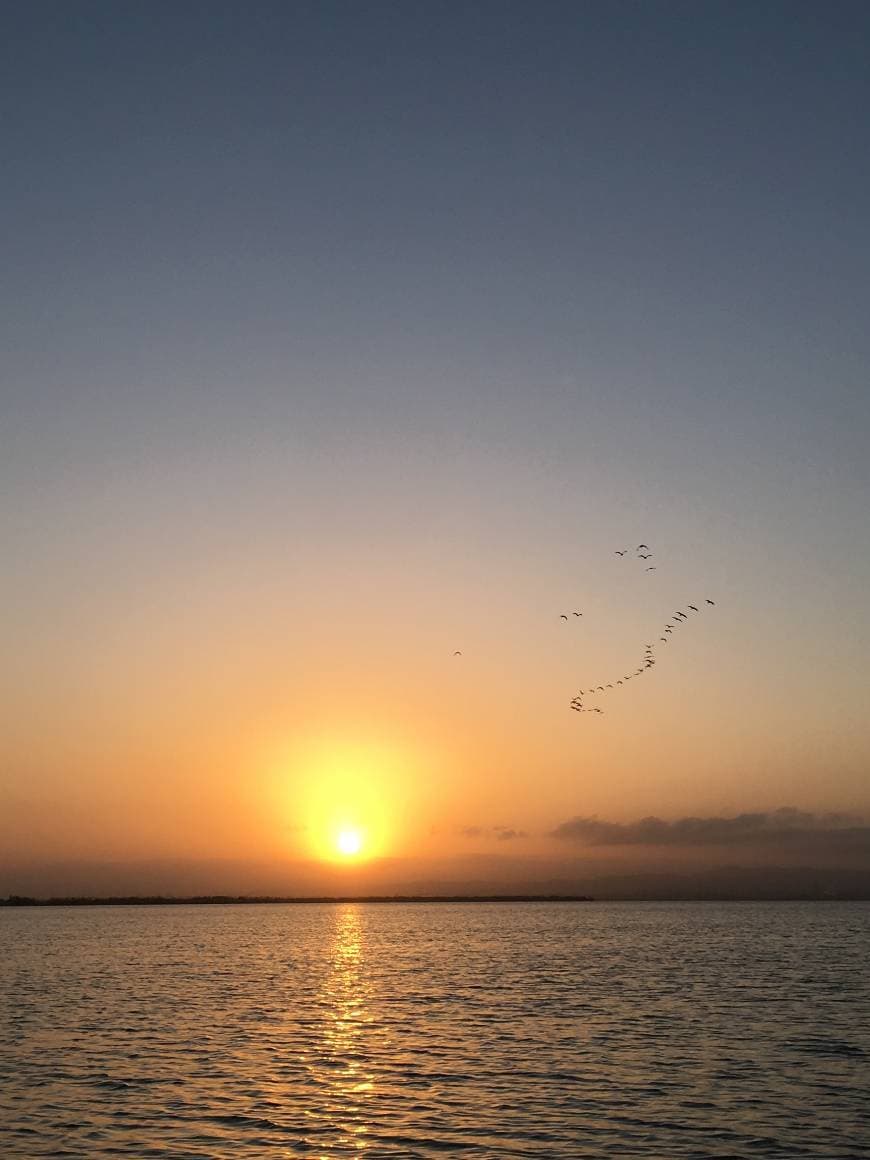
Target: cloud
[[500, 833], [784, 826], [507, 833]]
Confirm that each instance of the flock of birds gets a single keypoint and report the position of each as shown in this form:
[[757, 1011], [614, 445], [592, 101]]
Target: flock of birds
[[676, 620]]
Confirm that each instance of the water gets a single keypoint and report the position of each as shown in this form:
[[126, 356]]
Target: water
[[499, 1030]]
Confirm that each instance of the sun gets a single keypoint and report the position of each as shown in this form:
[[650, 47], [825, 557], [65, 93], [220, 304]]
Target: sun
[[349, 842]]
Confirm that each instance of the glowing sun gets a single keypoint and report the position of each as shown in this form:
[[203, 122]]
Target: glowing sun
[[349, 842]]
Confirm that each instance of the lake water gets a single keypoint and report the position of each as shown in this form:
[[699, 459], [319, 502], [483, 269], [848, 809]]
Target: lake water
[[547, 1030]]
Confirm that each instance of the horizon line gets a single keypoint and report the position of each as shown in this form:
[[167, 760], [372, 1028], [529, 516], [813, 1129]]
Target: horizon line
[[13, 900]]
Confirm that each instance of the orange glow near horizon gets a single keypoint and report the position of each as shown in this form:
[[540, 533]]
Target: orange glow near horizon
[[347, 800]]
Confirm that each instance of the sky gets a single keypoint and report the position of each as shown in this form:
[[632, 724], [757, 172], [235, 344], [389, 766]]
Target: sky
[[338, 338]]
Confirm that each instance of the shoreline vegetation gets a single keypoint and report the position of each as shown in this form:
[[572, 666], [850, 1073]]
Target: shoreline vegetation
[[253, 900]]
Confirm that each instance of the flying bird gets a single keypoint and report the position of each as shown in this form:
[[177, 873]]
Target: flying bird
[[646, 546], [709, 601], [618, 553], [563, 616], [457, 653], [662, 639], [693, 608], [576, 613], [651, 568]]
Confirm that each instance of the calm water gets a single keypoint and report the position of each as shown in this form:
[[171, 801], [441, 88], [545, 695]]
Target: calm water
[[648, 1030]]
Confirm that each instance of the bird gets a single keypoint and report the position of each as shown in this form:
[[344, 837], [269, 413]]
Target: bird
[[600, 689], [669, 630], [709, 601], [644, 555], [457, 653], [643, 546], [662, 639], [693, 608], [563, 616], [610, 686], [576, 613], [619, 682], [651, 568], [618, 553]]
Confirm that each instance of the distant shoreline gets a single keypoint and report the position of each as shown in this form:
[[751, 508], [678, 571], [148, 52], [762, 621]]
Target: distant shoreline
[[256, 900]]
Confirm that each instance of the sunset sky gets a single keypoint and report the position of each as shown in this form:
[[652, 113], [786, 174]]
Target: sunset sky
[[340, 337]]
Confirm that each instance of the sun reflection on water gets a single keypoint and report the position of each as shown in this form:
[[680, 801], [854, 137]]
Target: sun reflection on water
[[345, 1064]]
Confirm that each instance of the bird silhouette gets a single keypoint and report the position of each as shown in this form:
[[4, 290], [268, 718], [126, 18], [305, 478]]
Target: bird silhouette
[[563, 617], [662, 639], [651, 568], [576, 613], [646, 546], [693, 608], [457, 653], [618, 553], [709, 601]]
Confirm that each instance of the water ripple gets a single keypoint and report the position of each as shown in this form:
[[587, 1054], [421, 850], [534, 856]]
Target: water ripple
[[584, 1031]]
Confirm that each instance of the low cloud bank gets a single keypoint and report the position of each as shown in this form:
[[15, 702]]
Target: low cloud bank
[[500, 833], [782, 827]]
